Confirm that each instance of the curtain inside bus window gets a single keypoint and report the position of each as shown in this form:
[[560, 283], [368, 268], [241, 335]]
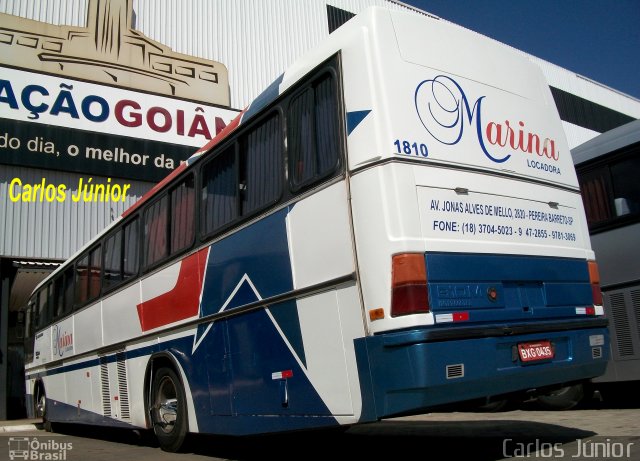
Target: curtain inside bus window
[[326, 126], [95, 272], [260, 156], [113, 260], [313, 134], [155, 232], [130, 252], [301, 139], [219, 191], [626, 187], [182, 215], [82, 280], [596, 195]]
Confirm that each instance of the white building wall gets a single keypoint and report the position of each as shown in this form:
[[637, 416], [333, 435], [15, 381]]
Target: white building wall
[[257, 40]]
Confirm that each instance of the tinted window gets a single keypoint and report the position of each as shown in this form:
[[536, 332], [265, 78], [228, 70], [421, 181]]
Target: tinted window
[[219, 191], [261, 159], [43, 313], [313, 134], [68, 290], [611, 192], [155, 232], [113, 260], [82, 280], [130, 253], [95, 272], [183, 215]]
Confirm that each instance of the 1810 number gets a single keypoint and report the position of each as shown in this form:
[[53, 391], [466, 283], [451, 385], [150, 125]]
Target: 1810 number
[[408, 148]]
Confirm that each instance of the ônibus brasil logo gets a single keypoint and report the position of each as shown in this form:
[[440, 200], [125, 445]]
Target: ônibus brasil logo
[[443, 109]]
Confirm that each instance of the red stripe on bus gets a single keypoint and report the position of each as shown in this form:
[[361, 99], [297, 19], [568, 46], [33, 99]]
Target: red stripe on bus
[[182, 302]]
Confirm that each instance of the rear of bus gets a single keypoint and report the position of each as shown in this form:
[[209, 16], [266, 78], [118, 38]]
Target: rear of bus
[[473, 253]]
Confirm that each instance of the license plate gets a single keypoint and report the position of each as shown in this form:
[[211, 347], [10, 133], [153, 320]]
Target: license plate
[[532, 352]]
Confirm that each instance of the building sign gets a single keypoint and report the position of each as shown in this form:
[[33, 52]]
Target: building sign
[[104, 100]]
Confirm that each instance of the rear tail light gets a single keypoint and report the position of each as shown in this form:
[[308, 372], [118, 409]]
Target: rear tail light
[[594, 280], [408, 284]]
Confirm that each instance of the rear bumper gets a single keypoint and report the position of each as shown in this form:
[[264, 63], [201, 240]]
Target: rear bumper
[[411, 371]]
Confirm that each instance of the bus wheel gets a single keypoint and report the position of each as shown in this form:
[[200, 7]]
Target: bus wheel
[[169, 410], [41, 408], [563, 399]]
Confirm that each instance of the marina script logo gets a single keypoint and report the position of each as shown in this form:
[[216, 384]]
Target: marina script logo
[[444, 109]]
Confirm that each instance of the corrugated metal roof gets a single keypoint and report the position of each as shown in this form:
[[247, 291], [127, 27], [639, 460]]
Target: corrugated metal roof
[[53, 230]]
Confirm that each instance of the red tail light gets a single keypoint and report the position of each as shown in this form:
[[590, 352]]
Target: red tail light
[[408, 284], [594, 279]]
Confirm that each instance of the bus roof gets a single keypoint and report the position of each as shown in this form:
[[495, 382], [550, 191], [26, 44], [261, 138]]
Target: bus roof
[[607, 142]]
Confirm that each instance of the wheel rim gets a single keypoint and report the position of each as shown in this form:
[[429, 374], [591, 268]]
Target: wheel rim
[[167, 405], [41, 405]]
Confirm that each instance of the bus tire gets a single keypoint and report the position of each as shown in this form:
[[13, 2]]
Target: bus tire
[[41, 407], [564, 398], [169, 410]]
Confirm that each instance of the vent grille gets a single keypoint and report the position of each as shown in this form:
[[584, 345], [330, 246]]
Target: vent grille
[[104, 384], [455, 371], [635, 302], [596, 352], [621, 325], [122, 385]]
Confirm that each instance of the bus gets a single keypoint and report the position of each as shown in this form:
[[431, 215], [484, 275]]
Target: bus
[[393, 225], [608, 169]]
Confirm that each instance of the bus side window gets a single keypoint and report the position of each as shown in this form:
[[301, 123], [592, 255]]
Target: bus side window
[[219, 191], [155, 232], [29, 334], [261, 160], [58, 296], [183, 215], [130, 253], [95, 271], [68, 290], [313, 134], [44, 311], [113, 260], [82, 280]]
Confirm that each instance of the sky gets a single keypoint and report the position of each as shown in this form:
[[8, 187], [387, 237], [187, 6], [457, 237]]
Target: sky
[[599, 39]]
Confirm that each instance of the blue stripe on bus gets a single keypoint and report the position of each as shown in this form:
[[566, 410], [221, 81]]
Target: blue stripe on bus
[[261, 252], [411, 376], [354, 118], [241, 353], [526, 286]]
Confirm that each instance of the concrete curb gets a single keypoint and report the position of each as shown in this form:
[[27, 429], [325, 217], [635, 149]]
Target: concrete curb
[[18, 428]]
